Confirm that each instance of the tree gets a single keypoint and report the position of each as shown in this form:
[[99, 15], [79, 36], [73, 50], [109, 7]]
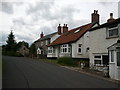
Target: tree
[[22, 43], [11, 43], [33, 49]]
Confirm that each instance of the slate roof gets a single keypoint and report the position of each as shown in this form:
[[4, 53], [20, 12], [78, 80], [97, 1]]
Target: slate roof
[[115, 22], [72, 35], [45, 37]]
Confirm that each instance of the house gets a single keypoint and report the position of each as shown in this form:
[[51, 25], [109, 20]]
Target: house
[[114, 61], [101, 37], [42, 42], [75, 42], [23, 50]]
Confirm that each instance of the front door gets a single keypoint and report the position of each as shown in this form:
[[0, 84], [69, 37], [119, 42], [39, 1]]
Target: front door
[[105, 59]]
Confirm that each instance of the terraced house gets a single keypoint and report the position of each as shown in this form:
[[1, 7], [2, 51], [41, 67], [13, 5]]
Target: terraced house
[[87, 42], [42, 42], [75, 42]]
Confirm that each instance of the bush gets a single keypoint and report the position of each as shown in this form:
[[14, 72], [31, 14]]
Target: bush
[[66, 61]]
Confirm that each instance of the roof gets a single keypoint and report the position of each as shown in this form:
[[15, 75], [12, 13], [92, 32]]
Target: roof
[[72, 35], [107, 24], [45, 37]]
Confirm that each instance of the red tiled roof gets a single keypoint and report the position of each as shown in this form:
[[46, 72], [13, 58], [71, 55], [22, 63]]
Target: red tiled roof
[[71, 36]]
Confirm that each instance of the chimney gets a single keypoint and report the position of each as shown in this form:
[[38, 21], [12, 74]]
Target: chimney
[[111, 18], [59, 30], [95, 16], [65, 28], [41, 35]]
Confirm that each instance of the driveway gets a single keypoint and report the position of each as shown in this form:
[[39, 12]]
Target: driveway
[[21, 72]]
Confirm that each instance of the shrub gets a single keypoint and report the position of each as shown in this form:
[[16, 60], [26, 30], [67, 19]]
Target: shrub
[[66, 61]]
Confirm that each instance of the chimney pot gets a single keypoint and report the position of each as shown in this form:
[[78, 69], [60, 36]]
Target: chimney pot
[[111, 18], [95, 16], [66, 25], [41, 35], [65, 28]]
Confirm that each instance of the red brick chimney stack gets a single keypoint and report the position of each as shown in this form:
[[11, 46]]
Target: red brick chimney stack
[[95, 16], [41, 35], [59, 30], [65, 28]]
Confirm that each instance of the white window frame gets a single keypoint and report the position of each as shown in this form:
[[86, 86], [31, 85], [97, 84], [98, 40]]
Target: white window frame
[[65, 48], [110, 29], [112, 55], [99, 59], [51, 50], [79, 47], [117, 57]]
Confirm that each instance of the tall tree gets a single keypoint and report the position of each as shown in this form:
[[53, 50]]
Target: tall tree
[[33, 50], [11, 43]]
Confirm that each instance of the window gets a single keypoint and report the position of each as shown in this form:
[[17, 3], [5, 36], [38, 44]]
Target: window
[[41, 43], [98, 62], [46, 42], [118, 58], [65, 48], [112, 56], [112, 32], [77, 31], [97, 56], [79, 48], [50, 49]]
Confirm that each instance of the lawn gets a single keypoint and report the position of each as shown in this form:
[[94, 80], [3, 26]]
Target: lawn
[[49, 61]]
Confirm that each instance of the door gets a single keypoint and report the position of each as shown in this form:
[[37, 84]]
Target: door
[[105, 59]]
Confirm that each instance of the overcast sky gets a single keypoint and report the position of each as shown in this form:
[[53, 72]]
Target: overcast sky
[[28, 18]]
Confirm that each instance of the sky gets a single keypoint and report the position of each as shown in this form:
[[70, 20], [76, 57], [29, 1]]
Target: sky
[[28, 18]]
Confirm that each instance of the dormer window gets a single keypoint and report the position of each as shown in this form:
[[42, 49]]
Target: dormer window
[[77, 31]]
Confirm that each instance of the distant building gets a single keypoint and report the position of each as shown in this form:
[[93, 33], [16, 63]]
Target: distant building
[[42, 42], [23, 50]]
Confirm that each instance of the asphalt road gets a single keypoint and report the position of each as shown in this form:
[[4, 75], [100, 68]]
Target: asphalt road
[[20, 72]]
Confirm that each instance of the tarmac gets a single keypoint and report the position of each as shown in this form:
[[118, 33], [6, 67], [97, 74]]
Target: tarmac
[[91, 72]]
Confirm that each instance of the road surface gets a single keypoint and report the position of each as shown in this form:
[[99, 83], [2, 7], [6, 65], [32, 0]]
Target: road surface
[[21, 72]]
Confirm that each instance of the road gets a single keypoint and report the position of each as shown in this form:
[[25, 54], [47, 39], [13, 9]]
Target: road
[[21, 72]]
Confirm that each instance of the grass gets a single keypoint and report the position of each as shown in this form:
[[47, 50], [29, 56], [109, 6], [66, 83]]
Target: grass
[[61, 62], [50, 61]]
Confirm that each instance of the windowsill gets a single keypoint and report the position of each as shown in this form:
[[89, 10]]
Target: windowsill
[[50, 53], [111, 62], [112, 37], [65, 53], [79, 53]]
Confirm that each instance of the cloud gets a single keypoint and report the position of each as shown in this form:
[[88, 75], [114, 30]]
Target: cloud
[[7, 7]]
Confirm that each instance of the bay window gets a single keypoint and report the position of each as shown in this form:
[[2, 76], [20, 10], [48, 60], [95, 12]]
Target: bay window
[[65, 48]]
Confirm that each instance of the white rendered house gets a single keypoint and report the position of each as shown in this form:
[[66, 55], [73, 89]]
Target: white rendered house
[[101, 38], [114, 61], [73, 43]]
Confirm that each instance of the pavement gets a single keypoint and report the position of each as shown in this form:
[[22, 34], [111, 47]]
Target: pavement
[[20, 72], [90, 72]]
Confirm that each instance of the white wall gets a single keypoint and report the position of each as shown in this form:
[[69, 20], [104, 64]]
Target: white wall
[[55, 36], [99, 43], [114, 70], [84, 40]]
